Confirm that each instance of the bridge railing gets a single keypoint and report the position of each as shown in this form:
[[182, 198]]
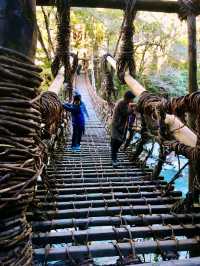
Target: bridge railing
[[159, 121], [53, 120]]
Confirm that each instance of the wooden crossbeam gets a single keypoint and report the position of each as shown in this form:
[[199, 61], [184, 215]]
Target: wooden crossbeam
[[108, 249], [168, 6], [142, 220], [97, 234]]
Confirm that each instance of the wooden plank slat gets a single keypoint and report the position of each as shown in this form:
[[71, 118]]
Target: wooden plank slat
[[102, 211], [107, 196], [98, 234], [108, 249], [141, 220]]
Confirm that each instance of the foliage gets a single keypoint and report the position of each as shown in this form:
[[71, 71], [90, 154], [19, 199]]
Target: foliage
[[172, 82], [160, 44], [46, 66], [121, 88]]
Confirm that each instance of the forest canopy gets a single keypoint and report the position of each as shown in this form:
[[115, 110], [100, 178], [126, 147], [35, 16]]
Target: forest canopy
[[160, 44]]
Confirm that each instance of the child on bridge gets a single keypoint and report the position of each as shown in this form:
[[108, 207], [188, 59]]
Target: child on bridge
[[78, 121]]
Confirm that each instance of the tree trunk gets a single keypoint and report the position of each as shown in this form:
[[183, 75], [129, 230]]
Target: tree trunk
[[46, 20], [42, 44]]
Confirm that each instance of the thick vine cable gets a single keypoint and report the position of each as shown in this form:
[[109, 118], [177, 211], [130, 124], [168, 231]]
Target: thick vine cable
[[126, 56], [21, 153], [63, 46]]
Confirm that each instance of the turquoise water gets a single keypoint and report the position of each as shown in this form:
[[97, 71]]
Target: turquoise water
[[170, 168], [181, 184]]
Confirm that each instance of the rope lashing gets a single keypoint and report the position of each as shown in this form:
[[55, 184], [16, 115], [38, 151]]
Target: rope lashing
[[188, 7], [125, 59], [21, 152], [108, 87]]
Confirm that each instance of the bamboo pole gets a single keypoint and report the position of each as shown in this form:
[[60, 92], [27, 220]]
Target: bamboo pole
[[169, 6], [180, 132]]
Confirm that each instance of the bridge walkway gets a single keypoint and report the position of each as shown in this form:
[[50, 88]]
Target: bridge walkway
[[99, 214]]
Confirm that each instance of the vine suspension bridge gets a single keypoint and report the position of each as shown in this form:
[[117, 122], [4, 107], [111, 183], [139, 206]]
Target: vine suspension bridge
[[59, 207]]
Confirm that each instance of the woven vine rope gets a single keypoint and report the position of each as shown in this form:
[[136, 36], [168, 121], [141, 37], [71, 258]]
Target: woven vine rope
[[125, 59], [21, 153]]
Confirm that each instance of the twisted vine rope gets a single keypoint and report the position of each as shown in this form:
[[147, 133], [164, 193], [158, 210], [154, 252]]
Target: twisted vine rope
[[52, 112], [63, 42], [153, 125], [126, 56], [108, 87], [154, 109], [187, 104], [181, 105], [21, 153]]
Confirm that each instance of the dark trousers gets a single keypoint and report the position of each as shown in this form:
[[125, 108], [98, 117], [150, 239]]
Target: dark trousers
[[129, 139], [78, 131], [115, 145]]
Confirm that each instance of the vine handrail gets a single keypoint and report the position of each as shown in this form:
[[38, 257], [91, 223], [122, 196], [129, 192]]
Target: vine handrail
[[181, 132]]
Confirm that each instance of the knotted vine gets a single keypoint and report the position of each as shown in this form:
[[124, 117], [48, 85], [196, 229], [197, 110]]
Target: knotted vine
[[125, 59], [187, 104], [107, 86], [52, 112], [63, 45]]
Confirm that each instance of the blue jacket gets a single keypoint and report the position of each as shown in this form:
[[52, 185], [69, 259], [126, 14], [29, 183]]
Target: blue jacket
[[84, 110], [77, 114]]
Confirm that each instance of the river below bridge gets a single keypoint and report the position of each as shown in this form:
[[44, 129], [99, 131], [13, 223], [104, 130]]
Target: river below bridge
[[170, 168]]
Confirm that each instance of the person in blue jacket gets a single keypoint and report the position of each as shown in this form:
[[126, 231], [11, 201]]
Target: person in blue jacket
[[78, 121], [83, 107]]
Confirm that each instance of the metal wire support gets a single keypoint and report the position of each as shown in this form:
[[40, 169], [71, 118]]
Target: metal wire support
[[21, 153]]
